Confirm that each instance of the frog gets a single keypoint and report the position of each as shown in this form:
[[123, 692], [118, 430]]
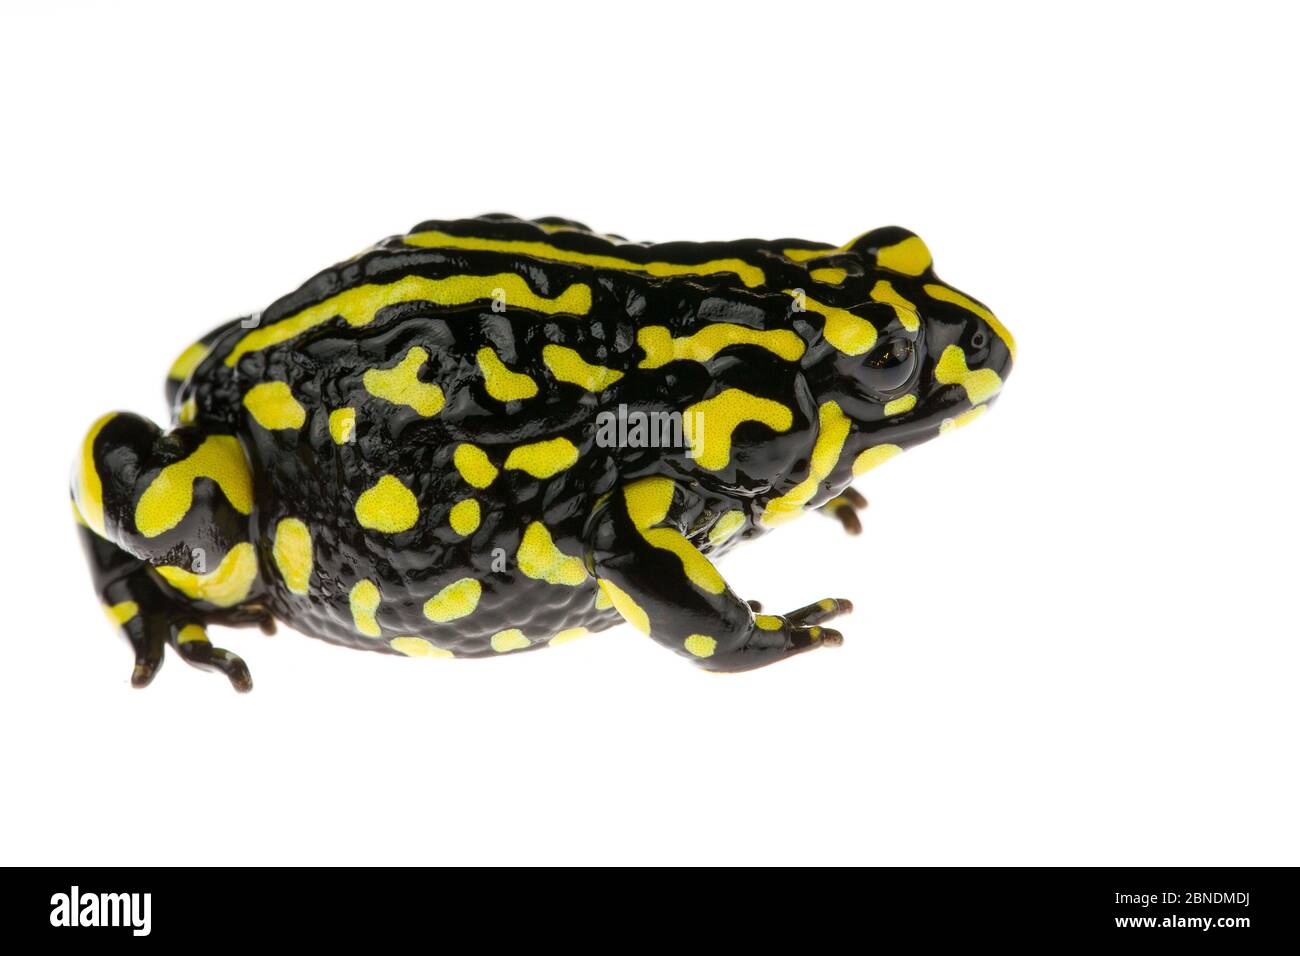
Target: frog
[[491, 435]]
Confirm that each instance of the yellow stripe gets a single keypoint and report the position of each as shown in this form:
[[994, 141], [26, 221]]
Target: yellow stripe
[[944, 294], [360, 305], [907, 314], [832, 432], [708, 425], [122, 612], [980, 384], [167, 500], [849, 333], [566, 365], [187, 362], [227, 586], [88, 490], [626, 605], [750, 275], [661, 348]]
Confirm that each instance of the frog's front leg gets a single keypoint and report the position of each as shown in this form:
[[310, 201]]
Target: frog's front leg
[[665, 587], [844, 508]]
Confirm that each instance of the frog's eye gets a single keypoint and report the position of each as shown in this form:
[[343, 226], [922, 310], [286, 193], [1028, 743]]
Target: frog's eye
[[889, 366]]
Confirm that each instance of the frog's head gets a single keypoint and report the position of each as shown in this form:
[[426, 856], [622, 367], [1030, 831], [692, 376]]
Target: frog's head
[[180, 500], [916, 357]]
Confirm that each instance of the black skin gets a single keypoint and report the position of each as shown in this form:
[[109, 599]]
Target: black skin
[[304, 473]]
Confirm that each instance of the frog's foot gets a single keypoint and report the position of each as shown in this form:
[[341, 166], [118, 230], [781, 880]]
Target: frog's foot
[[666, 587], [151, 616], [803, 628], [845, 507]]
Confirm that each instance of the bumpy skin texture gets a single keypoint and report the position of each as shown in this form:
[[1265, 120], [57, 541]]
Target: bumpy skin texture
[[488, 434]]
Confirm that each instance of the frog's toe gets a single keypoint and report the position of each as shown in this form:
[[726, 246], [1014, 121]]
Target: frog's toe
[[820, 612], [844, 507], [191, 642], [148, 658]]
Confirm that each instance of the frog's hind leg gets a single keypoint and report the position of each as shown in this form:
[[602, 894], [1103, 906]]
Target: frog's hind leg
[[151, 616], [663, 585]]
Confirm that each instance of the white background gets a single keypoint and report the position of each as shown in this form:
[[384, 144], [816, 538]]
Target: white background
[[1076, 638]]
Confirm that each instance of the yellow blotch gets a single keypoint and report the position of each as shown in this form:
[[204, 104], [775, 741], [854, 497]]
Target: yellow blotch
[[569, 634], [503, 384], [602, 601], [901, 405], [833, 429], [980, 385], [726, 526], [750, 275], [566, 365], [273, 406], [544, 458], [363, 601], [401, 384], [169, 496], [539, 558], [191, 634], [511, 639], [907, 314], [910, 257], [708, 425], [187, 362], [831, 275], [803, 255], [465, 517], [768, 622], [945, 294], [359, 306], [418, 647], [458, 599], [962, 420], [227, 586], [87, 489], [701, 645], [292, 554], [872, 457], [648, 501], [699, 569], [122, 611], [661, 348], [849, 333], [632, 612], [343, 425], [387, 506], [473, 465], [189, 412]]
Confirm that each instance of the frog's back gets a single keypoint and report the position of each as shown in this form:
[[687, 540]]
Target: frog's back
[[427, 412]]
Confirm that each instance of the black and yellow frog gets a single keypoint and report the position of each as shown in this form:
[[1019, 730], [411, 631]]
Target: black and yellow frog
[[490, 435]]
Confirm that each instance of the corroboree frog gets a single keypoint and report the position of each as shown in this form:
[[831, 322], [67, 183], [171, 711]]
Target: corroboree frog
[[490, 435]]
